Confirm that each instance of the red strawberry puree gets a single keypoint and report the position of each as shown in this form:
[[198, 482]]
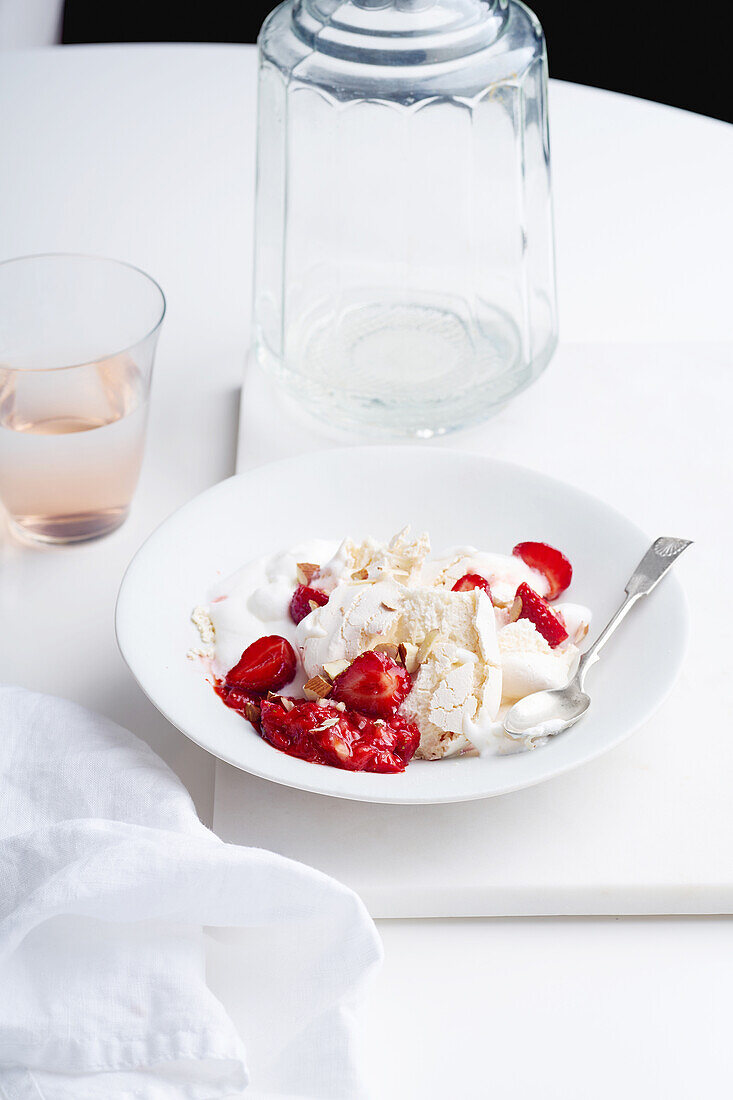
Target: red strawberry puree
[[322, 732]]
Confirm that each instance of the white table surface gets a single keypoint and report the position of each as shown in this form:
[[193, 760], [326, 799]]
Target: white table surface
[[146, 153]]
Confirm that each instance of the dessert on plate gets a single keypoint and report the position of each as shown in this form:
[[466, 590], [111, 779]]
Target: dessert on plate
[[365, 655]]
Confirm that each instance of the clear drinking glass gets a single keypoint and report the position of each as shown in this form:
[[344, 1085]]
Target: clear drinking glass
[[404, 272], [77, 342]]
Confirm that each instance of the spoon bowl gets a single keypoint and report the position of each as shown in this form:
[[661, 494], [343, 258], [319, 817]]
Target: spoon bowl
[[546, 713]]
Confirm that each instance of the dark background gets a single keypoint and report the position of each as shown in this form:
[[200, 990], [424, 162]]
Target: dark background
[[647, 48]]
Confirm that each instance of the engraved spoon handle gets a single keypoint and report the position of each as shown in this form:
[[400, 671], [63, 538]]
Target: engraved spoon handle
[[659, 558]]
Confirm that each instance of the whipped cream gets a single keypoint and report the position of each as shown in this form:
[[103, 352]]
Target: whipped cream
[[473, 662], [255, 601], [529, 664], [541, 733]]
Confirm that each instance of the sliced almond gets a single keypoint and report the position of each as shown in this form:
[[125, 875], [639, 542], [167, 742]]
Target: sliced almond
[[273, 697], [327, 724], [317, 688], [389, 648], [306, 571], [425, 646], [252, 713], [408, 656], [313, 605], [360, 574], [335, 668]]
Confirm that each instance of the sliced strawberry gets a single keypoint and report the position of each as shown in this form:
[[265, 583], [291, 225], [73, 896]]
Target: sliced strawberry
[[303, 599], [469, 581], [546, 560], [528, 605], [266, 665], [323, 734], [373, 684]]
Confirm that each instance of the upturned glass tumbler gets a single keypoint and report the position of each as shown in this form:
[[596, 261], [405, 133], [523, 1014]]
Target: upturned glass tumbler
[[404, 272]]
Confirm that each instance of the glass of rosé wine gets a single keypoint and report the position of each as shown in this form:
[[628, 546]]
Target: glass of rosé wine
[[77, 342]]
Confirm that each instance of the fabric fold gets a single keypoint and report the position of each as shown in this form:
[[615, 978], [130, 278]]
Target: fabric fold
[[107, 882]]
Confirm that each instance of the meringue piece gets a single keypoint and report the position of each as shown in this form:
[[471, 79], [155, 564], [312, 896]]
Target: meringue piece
[[457, 689], [400, 559], [356, 617], [202, 621]]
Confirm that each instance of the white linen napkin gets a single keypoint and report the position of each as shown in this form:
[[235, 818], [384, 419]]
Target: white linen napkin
[[107, 878]]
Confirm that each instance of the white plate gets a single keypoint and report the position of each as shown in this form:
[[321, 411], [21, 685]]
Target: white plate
[[459, 498]]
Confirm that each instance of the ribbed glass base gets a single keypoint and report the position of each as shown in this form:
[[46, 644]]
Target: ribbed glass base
[[405, 367]]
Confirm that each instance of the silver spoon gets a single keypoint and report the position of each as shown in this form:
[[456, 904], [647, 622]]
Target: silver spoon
[[551, 712]]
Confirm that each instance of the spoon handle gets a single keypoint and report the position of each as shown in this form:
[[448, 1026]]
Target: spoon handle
[[658, 559]]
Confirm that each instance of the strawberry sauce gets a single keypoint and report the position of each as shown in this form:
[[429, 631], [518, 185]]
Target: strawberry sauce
[[324, 732]]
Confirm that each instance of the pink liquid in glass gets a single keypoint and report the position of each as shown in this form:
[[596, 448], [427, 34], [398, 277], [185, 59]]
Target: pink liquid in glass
[[71, 447]]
